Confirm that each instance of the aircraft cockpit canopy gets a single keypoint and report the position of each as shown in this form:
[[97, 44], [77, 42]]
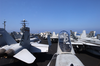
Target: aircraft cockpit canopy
[[64, 41]]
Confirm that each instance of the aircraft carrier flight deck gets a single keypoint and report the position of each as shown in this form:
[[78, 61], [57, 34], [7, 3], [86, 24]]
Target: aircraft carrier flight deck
[[43, 59]]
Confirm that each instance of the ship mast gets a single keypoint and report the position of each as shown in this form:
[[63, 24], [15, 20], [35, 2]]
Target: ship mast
[[4, 24], [24, 24]]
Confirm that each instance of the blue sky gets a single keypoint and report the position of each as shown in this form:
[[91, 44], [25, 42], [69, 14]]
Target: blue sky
[[51, 15]]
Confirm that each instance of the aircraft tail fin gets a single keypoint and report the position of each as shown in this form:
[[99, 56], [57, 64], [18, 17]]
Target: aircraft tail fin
[[74, 37], [8, 39], [92, 34], [83, 35], [54, 34], [25, 40], [49, 41], [2, 41]]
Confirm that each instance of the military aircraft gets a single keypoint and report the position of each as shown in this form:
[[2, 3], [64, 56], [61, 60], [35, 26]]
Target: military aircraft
[[54, 37], [22, 50], [65, 55], [78, 45], [45, 35], [18, 35], [89, 44], [41, 34]]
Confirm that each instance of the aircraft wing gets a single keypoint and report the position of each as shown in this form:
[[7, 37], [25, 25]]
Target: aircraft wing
[[92, 44], [77, 43], [35, 47], [25, 56]]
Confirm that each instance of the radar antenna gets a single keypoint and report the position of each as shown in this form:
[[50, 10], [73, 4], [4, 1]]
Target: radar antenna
[[24, 24], [4, 24]]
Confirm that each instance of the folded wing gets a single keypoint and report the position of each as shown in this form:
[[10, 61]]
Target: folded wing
[[25, 56]]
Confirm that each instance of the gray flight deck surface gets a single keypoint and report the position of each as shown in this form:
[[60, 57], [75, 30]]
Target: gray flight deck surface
[[43, 59]]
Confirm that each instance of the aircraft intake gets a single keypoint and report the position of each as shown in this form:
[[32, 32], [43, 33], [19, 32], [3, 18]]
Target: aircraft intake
[[10, 52], [2, 52]]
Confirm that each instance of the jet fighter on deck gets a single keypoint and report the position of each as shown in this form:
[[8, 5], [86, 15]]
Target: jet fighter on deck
[[22, 50], [90, 44], [65, 53]]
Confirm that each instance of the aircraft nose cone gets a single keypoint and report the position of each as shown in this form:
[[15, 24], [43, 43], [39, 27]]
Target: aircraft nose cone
[[2, 51], [10, 52]]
